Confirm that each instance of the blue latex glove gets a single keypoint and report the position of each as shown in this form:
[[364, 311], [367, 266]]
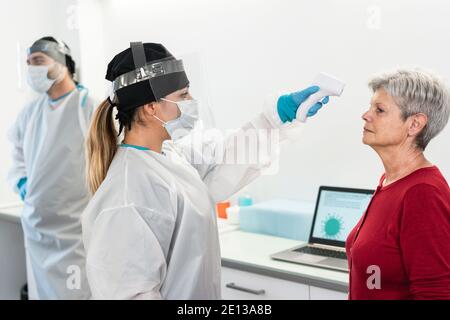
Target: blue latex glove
[[22, 186], [288, 104]]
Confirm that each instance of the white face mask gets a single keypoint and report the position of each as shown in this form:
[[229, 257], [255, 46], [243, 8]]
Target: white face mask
[[181, 126], [38, 78]]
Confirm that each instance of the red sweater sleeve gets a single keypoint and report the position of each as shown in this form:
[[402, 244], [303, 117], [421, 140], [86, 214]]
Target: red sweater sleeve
[[425, 241]]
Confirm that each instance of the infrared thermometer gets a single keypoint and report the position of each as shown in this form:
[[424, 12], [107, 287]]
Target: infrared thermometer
[[329, 86]]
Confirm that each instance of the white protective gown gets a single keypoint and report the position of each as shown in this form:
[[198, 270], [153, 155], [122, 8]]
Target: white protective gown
[[48, 149], [150, 230]]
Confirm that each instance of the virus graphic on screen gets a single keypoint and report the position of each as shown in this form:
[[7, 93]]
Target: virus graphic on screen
[[332, 226]]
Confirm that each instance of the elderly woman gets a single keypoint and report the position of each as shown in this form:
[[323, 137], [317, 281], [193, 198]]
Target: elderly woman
[[400, 249]]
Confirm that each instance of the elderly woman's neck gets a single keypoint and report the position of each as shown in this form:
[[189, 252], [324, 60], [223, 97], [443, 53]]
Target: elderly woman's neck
[[399, 163]]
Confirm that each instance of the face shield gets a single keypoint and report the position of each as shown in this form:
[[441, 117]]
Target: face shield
[[56, 51], [46, 64], [199, 90], [164, 76]]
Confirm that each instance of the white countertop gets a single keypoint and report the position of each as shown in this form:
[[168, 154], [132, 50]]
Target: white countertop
[[11, 212], [251, 252]]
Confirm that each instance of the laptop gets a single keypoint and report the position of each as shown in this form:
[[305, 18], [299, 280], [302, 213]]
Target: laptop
[[337, 212]]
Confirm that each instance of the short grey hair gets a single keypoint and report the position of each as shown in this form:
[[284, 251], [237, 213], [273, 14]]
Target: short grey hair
[[417, 91]]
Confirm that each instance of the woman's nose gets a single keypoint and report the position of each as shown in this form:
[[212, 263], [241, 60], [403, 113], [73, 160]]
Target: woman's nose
[[366, 116]]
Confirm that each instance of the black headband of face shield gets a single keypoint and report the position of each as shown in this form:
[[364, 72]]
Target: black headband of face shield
[[139, 93]]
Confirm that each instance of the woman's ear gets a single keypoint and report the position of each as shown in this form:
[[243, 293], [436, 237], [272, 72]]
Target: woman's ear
[[149, 108], [146, 112], [419, 121]]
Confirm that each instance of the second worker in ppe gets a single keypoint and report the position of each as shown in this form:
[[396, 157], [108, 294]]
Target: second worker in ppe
[[48, 172]]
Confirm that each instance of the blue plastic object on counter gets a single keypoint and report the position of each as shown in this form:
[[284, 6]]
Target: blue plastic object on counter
[[244, 201], [280, 218]]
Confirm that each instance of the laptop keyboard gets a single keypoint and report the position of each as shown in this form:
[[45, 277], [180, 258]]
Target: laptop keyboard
[[322, 252]]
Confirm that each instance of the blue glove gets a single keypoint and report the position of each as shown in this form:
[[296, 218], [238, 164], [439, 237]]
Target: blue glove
[[288, 104], [22, 186]]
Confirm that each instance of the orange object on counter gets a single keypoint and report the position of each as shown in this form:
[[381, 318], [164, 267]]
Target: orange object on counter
[[221, 209]]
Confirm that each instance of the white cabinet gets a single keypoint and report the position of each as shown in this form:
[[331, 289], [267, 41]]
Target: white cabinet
[[12, 260], [241, 285], [316, 293]]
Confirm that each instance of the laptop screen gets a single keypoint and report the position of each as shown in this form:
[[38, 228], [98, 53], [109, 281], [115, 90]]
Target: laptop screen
[[337, 212]]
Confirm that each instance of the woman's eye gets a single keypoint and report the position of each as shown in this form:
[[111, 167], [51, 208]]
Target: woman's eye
[[380, 110]]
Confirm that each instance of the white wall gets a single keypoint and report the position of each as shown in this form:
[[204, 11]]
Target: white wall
[[22, 22], [253, 48]]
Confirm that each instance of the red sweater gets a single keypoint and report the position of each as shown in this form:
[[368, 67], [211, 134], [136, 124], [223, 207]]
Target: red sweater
[[400, 249]]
